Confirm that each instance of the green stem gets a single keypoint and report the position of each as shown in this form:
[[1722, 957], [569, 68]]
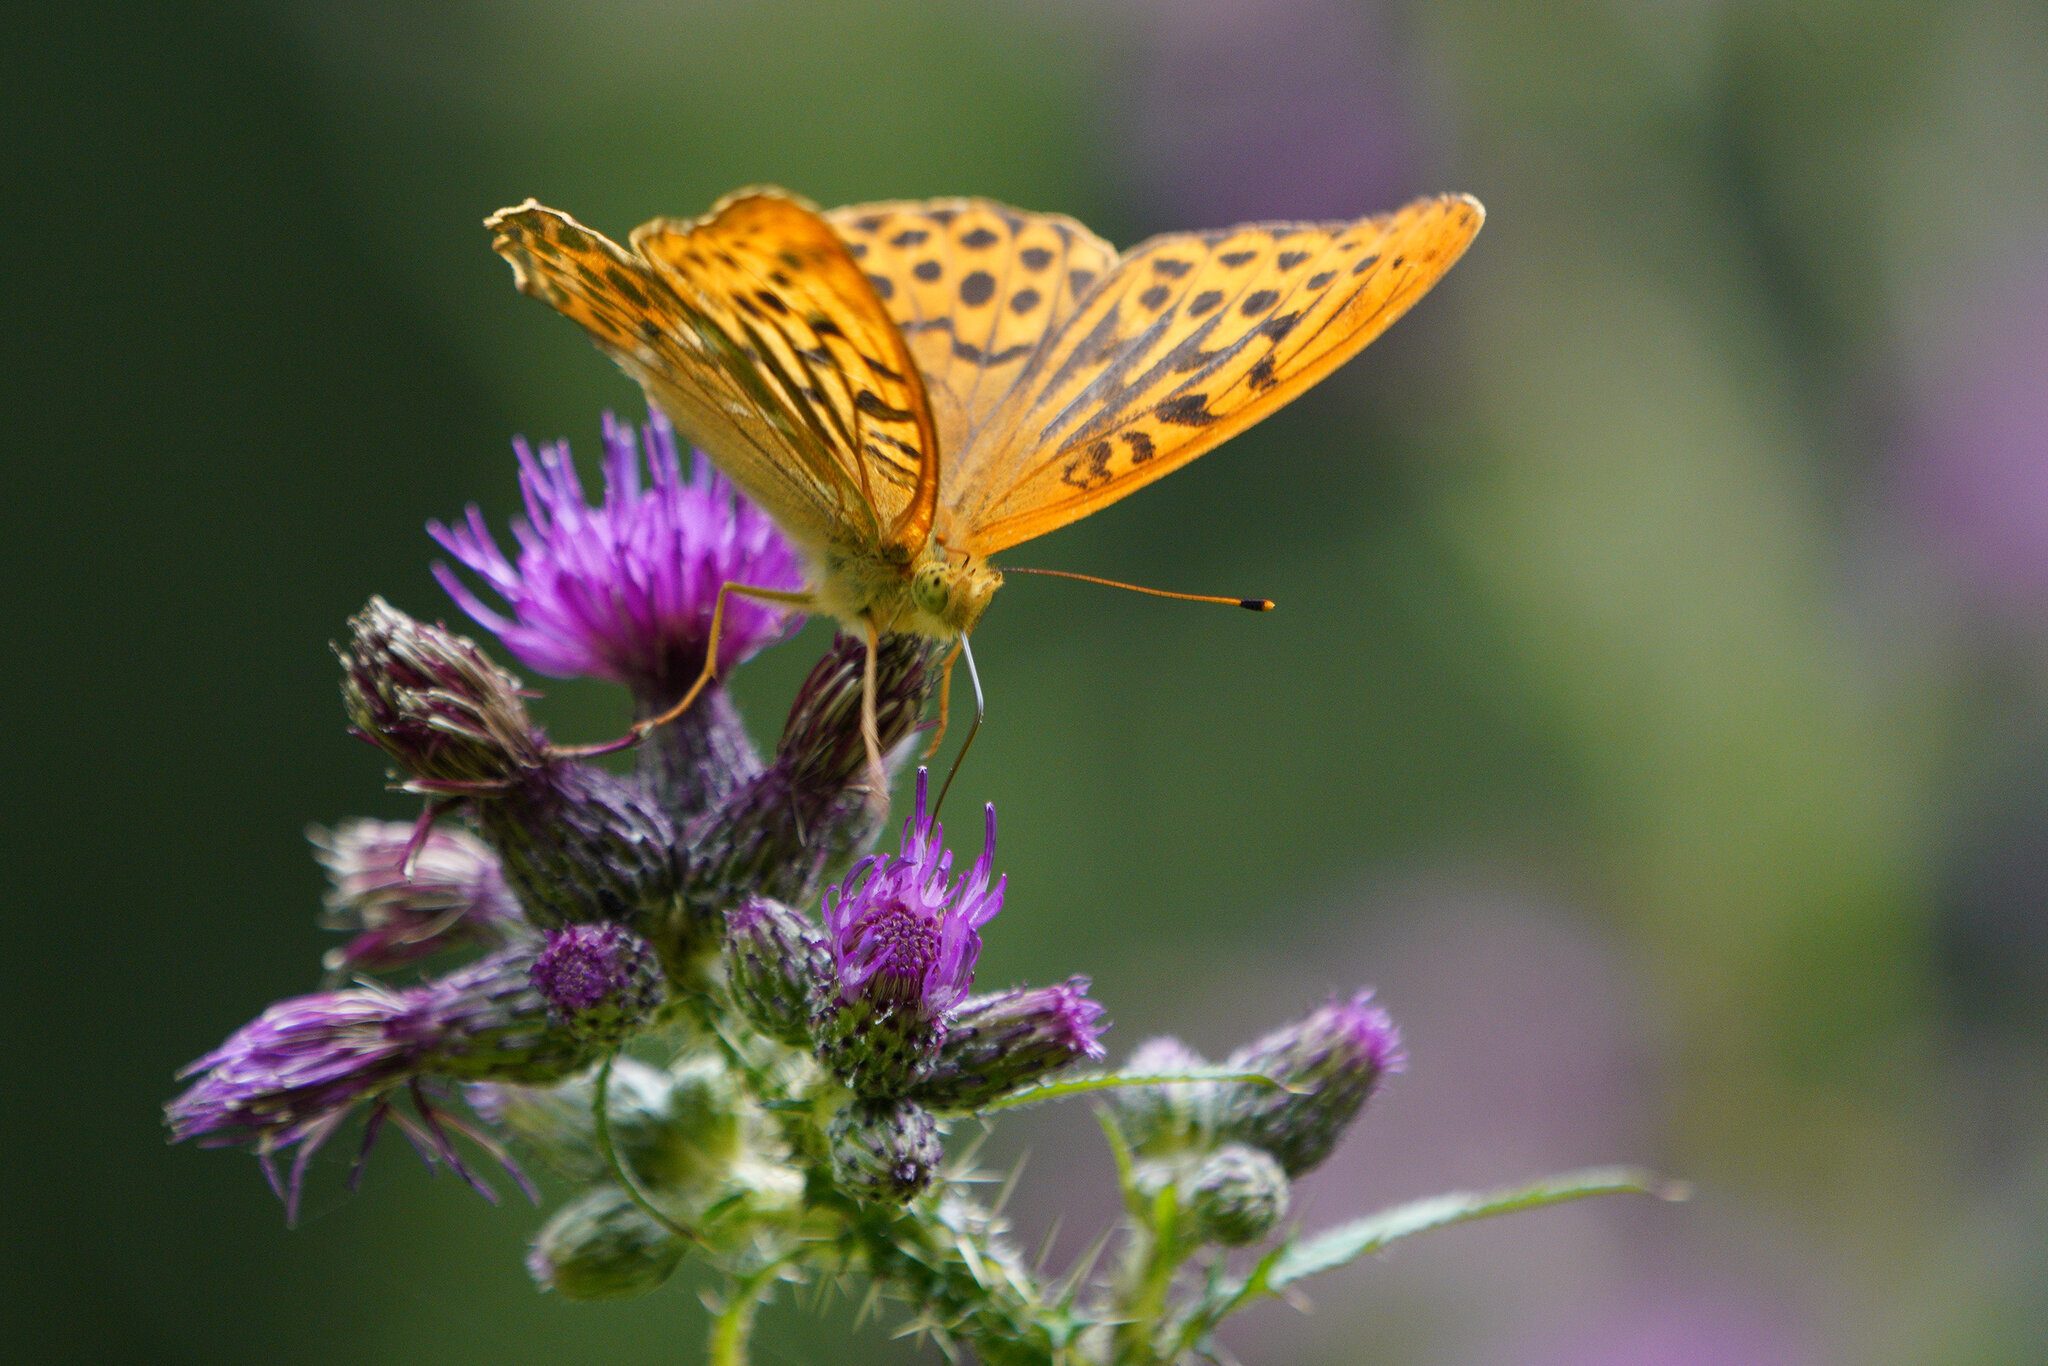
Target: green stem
[[735, 1322], [1156, 1257]]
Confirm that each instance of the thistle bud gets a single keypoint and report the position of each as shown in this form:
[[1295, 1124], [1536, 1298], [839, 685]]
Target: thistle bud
[[603, 1247], [600, 982], [886, 1151], [435, 703], [1166, 1118], [1329, 1063], [799, 822], [402, 899], [678, 1131], [996, 1044], [778, 968], [578, 843], [1237, 1195]]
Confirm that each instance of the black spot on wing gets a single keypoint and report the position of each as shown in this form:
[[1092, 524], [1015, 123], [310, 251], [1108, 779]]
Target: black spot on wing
[[1204, 302], [1321, 279], [1154, 297], [1171, 267], [1258, 301], [976, 288], [977, 239], [1187, 410], [1288, 260], [1024, 300], [1234, 259], [1365, 263], [927, 271], [1079, 280], [883, 287], [871, 403], [1141, 446], [909, 237], [1035, 258]]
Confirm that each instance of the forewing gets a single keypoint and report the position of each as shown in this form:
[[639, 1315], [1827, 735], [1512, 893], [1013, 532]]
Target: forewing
[[759, 337], [977, 288], [1192, 338]]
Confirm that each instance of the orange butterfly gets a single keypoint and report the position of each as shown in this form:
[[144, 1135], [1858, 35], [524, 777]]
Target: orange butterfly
[[909, 388]]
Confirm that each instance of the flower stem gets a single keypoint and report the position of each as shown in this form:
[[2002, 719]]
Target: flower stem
[[1155, 1257], [734, 1324]]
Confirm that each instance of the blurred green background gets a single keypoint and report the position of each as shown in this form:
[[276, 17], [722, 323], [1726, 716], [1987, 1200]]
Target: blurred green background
[[1654, 712]]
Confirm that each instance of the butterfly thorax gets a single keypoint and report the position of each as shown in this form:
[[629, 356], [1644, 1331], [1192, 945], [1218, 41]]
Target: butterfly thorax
[[938, 595]]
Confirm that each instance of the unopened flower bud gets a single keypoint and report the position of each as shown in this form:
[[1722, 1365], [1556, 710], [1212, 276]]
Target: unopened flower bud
[[601, 982], [798, 823], [996, 1044], [886, 1151], [603, 1247], [676, 1130], [778, 968], [579, 843], [1329, 1063], [1237, 1195], [403, 899], [435, 703], [1167, 1117]]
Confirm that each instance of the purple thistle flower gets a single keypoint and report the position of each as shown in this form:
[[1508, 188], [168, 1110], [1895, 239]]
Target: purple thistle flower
[[450, 892], [903, 934], [290, 1077], [624, 590], [903, 931], [601, 981]]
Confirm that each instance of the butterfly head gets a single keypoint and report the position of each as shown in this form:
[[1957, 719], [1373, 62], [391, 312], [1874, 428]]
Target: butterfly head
[[951, 593]]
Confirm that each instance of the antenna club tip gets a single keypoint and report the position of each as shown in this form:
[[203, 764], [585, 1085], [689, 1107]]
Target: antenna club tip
[[1256, 604]]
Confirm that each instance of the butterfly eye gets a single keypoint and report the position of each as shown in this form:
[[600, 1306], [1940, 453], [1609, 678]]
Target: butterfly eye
[[930, 590]]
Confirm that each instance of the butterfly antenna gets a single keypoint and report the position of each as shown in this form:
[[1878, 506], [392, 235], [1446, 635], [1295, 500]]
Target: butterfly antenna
[[1249, 604], [973, 727]]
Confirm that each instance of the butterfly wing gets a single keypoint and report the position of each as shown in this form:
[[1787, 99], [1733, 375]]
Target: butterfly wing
[[763, 341], [977, 288], [1190, 339]]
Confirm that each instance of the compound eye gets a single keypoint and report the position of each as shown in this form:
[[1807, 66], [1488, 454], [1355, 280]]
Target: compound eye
[[930, 587]]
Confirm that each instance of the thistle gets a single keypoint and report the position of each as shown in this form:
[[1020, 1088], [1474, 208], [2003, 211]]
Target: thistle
[[691, 992]]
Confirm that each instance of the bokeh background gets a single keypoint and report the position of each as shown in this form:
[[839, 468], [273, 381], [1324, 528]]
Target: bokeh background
[[1655, 711]]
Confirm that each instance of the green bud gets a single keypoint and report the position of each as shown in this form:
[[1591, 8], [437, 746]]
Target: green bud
[[603, 1247], [777, 967], [678, 1130], [1161, 1120], [1237, 1195], [887, 1151]]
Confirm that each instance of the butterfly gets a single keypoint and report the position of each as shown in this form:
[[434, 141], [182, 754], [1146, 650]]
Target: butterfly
[[910, 388]]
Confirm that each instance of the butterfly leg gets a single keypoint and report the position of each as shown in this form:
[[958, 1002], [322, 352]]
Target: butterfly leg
[[870, 728], [945, 699], [640, 728], [966, 652]]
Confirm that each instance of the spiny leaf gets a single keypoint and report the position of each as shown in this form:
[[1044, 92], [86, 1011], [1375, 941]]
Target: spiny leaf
[[1291, 1262], [1347, 1242]]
